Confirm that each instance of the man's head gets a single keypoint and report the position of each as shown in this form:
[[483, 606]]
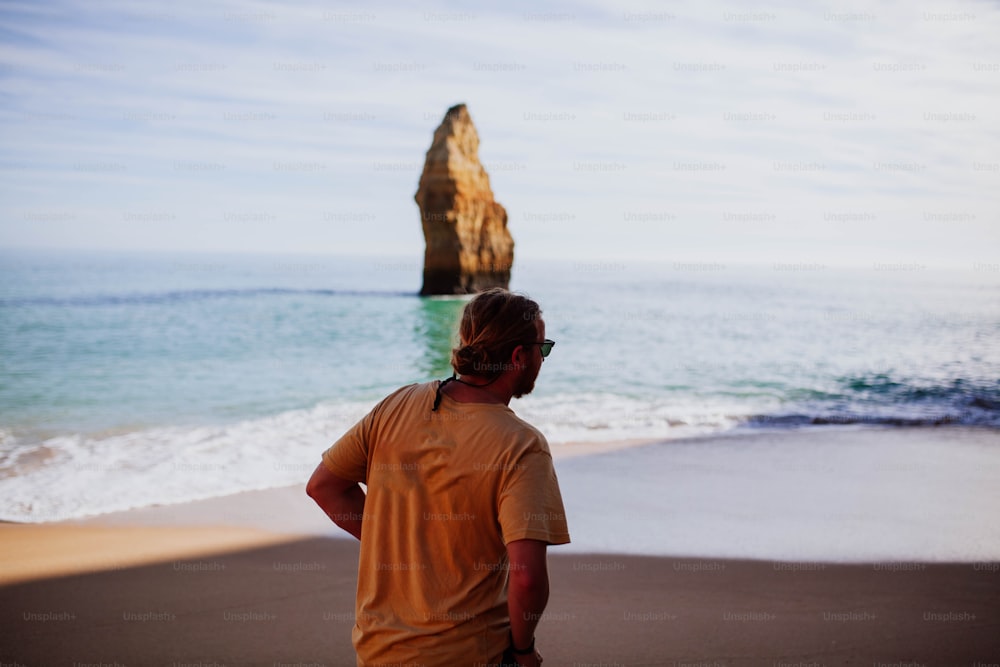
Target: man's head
[[497, 334]]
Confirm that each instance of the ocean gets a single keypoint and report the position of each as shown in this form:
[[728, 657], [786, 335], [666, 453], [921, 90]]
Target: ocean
[[135, 379]]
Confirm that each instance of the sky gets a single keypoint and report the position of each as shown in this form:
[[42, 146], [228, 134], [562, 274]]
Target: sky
[[824, 132]]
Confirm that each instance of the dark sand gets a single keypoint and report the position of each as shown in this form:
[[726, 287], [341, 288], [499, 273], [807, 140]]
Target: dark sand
[[292, 603]]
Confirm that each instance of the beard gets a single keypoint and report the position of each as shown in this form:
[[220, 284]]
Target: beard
[[525, 381]]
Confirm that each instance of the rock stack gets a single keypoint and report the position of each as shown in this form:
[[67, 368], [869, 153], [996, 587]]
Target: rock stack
[[469, 248]]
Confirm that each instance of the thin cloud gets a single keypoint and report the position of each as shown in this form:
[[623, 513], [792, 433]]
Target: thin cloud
[[699, 129]]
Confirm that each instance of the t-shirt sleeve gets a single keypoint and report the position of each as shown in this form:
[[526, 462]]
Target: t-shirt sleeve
[[348, 457], [530, 506]]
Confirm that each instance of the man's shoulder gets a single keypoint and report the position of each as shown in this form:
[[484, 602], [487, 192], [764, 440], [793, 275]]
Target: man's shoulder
[[408, 393], [523, 432], [529, 429], [415, 387]]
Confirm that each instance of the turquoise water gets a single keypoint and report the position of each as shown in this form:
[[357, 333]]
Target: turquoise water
[[143, 357]]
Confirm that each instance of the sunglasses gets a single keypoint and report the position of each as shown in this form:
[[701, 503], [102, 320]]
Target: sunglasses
[[546, 346]]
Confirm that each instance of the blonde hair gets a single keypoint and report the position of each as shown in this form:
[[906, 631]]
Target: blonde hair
[[493, 324]]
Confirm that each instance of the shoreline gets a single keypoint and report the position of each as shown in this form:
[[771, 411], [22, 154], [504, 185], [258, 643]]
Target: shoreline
[[192, 475], [225, 508], [894, 475]]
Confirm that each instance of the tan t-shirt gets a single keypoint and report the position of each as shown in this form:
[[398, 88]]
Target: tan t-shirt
[[447, 490]]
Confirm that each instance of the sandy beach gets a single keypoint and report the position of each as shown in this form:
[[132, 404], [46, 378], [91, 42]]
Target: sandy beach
[[292, 603], [260, 578]]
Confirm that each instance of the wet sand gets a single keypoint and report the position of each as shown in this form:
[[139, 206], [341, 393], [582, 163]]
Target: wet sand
[[211, 599]]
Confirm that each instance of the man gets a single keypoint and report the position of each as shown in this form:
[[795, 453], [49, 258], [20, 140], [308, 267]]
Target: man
[[462, 501]]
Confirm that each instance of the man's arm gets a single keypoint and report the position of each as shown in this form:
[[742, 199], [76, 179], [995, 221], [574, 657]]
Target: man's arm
[[341, 499], [527, 591]]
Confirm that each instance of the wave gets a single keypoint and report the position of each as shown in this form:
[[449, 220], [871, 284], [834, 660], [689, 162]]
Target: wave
[[982, 393], [72, 476], [181, 296], [78, 475], [793, 419], [887, 400]]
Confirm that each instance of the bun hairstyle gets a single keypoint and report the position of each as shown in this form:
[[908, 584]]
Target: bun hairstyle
[[493, 324]]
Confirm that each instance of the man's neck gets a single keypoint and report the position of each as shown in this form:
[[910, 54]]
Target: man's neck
[[474, 389]]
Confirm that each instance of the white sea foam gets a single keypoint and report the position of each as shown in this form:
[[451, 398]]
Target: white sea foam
[[601, 417], [76, 476]]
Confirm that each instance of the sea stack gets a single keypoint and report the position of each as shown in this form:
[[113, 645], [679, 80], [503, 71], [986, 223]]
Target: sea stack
[[469, 248]]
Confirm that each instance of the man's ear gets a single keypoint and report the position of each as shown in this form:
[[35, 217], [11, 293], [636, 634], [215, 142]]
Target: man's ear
[[518, 356]]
